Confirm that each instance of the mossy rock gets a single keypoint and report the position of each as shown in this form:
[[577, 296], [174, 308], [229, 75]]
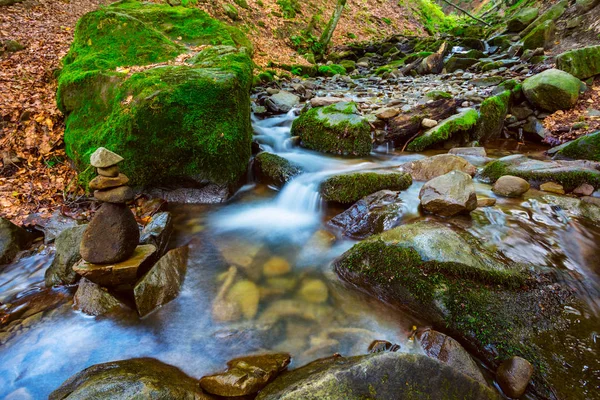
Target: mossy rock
[[348, 65], [455, 63], [275, 170], [171, 122], [458, 127], [551, 14], [438, 95], [492, 113], [541, 37], [336, 129], [503, 42], [522, 19], [584, 148], [231, 11], [332, 70], [570, 174], [351, 187], [582, 63], [552, 90]]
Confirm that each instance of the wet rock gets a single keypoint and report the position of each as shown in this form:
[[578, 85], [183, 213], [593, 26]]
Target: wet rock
[[447, 350], [513, 376], [13, 239], [456, 128], [552, 90], [584, 148], [409, 123], [162, 283], [431, 167], [246, 295], [67, 254], [351, 187], [110, 172], [327, 101], [314, 291], [449, 194], [485, 202], [552, 187], [387, 113], [455, 63], [158, 232], [92, 299], [104, 182], [372, 214], [584, 190], [522, 19], [122, 194], [510, 186], [378, 346], [388, 375], [469, 152], [111, 236], [207, 194], [535, 128], [104, 158], [276, 266], [246, 375], [282, 102], [337, 129], [521, 112], [123, 273], [128, 379], [275, 170], [492, 113]]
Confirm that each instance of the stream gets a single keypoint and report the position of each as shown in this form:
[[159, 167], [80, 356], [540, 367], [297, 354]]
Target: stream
[[304, 309]]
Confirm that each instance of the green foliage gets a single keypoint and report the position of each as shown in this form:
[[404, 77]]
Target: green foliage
[[332, 70], [242, 3], [290, 8], [433, 18], [387, 20]]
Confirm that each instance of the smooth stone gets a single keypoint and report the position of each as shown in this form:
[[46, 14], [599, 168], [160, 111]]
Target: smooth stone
[[468, 151], [125, 272], [327, 101], [122, 194], [111, 236], [158, 232], [104, 158], [513, 376], [485, 202], [13, 239], [552, 187], [282, 102], [387, 113], [67, 254], [162, 283], [584, 189], [428, 123], [449, 194], [246, 375], [510, 186], [110, 172], [314, 291], [92, 299], [247, 297], [431, 167], [104, 182], [276, 266]]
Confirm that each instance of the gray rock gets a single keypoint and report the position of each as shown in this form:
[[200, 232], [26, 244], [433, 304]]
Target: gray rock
[[327, 101], [282, 102], [469, 152], [92, 299], [449, 194], [274, 170], [67, 254], [104, 158], [513, 376], [431, 167], [552, 90], [122, 194], [158, 232], [510, 186], [162, 283], [13, 239]]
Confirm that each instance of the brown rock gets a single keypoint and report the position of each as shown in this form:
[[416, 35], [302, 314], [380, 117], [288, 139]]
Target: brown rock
[[122, 194], [246, 375], [123, 273], [111, 236], [513, 376], [585, 189], [485, 202], [510, 186], [387, 113], [552, 187], [432, 167], [91, 299], [327, 101], [110, 171], [104, 182], [449, 194]]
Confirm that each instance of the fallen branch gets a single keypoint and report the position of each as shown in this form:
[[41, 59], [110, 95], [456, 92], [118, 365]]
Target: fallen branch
[[466, 12]]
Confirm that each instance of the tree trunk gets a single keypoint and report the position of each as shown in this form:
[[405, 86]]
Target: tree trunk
[[331, 25], [407, 124]]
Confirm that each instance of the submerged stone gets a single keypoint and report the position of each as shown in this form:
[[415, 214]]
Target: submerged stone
[[351, 187], [513, 376]]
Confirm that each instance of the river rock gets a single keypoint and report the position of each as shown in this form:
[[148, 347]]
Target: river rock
[[92, 299], [584, 190], [109, 172], [122, 194], [510, 186], [456, 128], [583, 148], [455, 63], [246, 375], [67, 254], [143, 378], [336, 129], [387, 113], [111, 236], [552, 187], [104, 182], [492, 113], [552, 90], [123, 273], [541, 37], [372, 214], [449, 194], [158, 232], [313, 291], [327, 101], [522, 19], [351, 187], [485, 202], [447, 350], [273, 169], [469, 152], [513, 376], [104, 158], [389, 375], [276, 266], [551, 14], [431, 167], [282, 102], [246, 296], [13, 239], [428, 123]]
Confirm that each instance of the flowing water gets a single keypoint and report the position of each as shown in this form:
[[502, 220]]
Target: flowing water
[[306, 311]]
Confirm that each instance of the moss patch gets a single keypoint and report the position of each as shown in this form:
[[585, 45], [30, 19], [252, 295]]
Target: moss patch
[[585, 148], [349, 188], [581, 63]]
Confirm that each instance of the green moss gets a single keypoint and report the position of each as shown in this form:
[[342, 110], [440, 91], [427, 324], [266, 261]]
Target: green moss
[[332, 70], [460, 124], [273, 169], [290, 8], [492, 113], [584, 148], [349, 188], [438, 95], [582, 63]]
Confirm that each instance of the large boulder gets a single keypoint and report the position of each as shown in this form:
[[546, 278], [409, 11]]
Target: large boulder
[[67, 254], [552, 90], [541, 37], [522, 19], [584, 148], [449, 194], [373, 214], [492, 113], [510, 186], [584, 6], [274, 170], [431, 167], [570, 174], [582, 63], [551, 14], [351, 187], [380, 376], [282, 102], [13, 239], [189, 119], [137, 378], [336, 129], [454, 130]]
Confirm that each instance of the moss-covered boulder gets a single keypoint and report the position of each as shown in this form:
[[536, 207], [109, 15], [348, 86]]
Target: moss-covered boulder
[[541, 37], [379, 376], [336, 129], [348, 65], [274, 170], [552, 90], [522, 19], [582, 63], [570, 174], [584, 148], [351, 187], [492, 113], [456, 129], [455, 63], [551, 14], [137, 82]]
